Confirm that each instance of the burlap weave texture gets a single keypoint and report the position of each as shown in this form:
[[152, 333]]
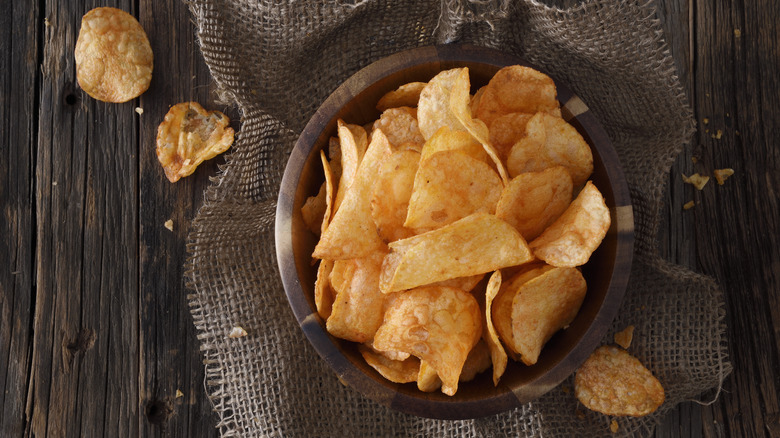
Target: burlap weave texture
[[279, 60]]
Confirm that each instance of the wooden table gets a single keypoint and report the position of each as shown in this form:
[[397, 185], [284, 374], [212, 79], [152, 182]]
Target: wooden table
[[95, 333]]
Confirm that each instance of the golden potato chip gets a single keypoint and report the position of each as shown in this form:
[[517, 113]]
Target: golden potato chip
[[613, 382], [506, 130], [550, 141], [466, 284], [476, 244], [352, 232], [334, 152], [433, 109], [323, 293], [190, 135], [391, 193], [359, 305], [440, 325], [497, 354], [449, 186], [427, 378], [446, 139], [114, 60], [313, 211], [542, 306], [573, 237], [517, 89], [396, 371], [477, 362], [405, 95], [474, 102], [532, 201], [352, 147], [722, 174], [625, 336], [400, 126]]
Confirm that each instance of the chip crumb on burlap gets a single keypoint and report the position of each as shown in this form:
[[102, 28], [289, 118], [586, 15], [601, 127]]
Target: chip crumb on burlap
[[278, 65]]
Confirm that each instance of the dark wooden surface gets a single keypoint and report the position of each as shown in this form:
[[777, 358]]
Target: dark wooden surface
[[95, 333]]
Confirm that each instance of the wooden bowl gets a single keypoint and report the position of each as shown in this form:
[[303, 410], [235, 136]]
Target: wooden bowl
[[606, 273]]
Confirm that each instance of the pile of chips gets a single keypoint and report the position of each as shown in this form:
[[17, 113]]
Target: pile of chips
[[453, 227]]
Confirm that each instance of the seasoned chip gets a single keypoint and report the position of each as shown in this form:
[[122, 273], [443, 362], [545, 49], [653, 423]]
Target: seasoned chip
[[391, 194], [466, 284], [689, 205], [542, 306], [532, 201], [352, 232], [313, 211], [400, 126], [517, 89], [474, 102], [352, 146], [440, 325], [359, 305], [190, 135], [473, 245], [397, 371], [477, 362], [323, 293], [497, 353], [451, 185], [696, 180], [613, 382], [446, 139], [506, 130], [405, 95], [722, 174], [550, 141], [625, 336], [433, 109], [427, 378], [573, 237], [114, 60]]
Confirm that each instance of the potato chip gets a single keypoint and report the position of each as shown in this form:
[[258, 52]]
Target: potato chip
[[476, 244], [427, 378], [506, 130], [313, 211], [440, 325], [449, 186], [396, 371], [474, 102], [323, 293], [466, 284], [334, 153], [532, 201], [190, 135], [517, 89], [477, 362], [625, 336], [400, 126], [352, 232], [405, 95], [351, 145], [573, 237], [359, 305], [497, 353], [446, 139], [613, 382], [550, 141], [433, 109], [391, 193], [696, 180], [542, 306], [114, 60], [722, 174]]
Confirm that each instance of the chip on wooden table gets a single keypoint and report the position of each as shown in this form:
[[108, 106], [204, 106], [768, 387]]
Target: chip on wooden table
[[114, 60], [391, 193], [405, 95], [625, 336], [440, 325], [190, 135], [516, 89], [613, 382], [573, 237], [397, 371], [400, 126]]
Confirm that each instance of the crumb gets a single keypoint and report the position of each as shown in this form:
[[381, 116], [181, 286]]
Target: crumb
[[237, 332], [694, 160], [625, 336], [689, 205], [696, 180], [54, 183], [737, 33], [736, 132], [718, 134], [707, 94], [139, 110], [565, 389], [179, 394], [46, 22], [169, 224], [613, 426], [722, 174], [705, 120]]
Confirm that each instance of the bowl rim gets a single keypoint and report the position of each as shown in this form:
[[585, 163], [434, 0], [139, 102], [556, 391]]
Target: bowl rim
[[314, 327]]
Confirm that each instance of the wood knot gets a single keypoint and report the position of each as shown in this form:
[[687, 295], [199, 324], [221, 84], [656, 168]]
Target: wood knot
[[159, 411], [84, 341]]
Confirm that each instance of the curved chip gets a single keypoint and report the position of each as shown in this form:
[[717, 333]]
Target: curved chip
[[506, 130], [433, 109], [313, 211], [190, 135], [114, 60], [405, 95], [440, 325], [400, 126], [445, 139], [476, 244], [534, 200], [517, 89], [497, 353], [613, 382], [323, 293], [478, 361], [550, 141], [542, 306], [396, 371], [391, 194], [352, 147], [573, 237], [449, 186], [427, 378], [466, 284]]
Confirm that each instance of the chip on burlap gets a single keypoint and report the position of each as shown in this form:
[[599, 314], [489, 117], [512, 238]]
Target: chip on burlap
[[278, 65]]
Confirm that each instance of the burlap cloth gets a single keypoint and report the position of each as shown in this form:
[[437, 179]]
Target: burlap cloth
[[279, 60]]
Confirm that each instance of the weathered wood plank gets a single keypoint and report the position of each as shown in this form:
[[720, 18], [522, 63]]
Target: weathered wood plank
[[20, 30]]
